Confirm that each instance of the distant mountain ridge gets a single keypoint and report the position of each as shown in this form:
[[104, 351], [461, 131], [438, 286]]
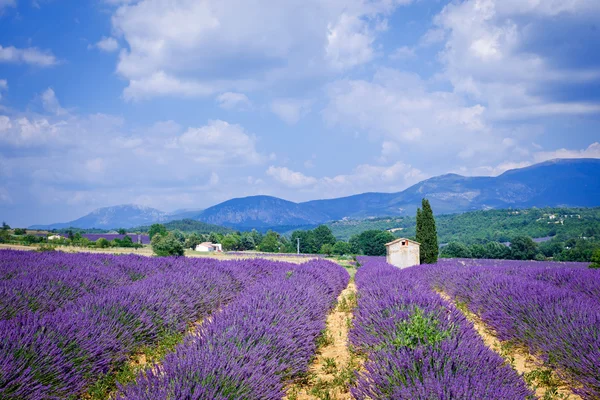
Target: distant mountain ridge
[[556, 183]]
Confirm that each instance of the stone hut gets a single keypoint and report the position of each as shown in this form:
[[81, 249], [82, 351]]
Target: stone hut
[[403, 253]]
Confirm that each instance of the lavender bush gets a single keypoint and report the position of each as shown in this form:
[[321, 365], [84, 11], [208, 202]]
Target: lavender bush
[[418, 346], [58, 354], [256, 344], [553, 310]]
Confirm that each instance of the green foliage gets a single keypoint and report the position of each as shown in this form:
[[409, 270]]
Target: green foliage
[[192, 241], [231, 241], [167, 245], [427, 234], [102, 243], [341, 248], [157, 229], [247, 242], [45, 247], [323, 236], [371, 243], [20, 231], [489, 225], [121, 231], [595, 259], [523, 248], [5, 226], [271, 243], [418, 330], [455, 250], [326, 249]]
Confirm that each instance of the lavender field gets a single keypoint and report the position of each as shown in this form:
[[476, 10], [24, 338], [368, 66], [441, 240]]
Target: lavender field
[[421, 346], [248, 329]]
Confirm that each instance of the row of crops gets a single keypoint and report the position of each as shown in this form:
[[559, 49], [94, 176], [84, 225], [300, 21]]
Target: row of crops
[[419, 346], [553, 310], [76, 317]]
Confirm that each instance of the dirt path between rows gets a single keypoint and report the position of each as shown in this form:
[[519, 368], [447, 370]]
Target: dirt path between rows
[[546, 384], [332, 371]]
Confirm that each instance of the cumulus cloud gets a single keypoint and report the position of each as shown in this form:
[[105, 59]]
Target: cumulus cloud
[[290, 178], [290, 110], [592, 151], [231, 101], [107, 44], [498, 52], [30, 55], [51, 103], [194, 44], [363, 178], [218, 142]]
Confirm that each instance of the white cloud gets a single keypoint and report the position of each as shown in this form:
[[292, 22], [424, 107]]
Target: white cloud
[[218, 142], [290, 110], [403, 53], [51, 103], [290, 178], [490, 55], [592, 151], [231, 100], [349, 42], [159, 83], [29, 55], [107, 44], [95, 165], [194, 44]]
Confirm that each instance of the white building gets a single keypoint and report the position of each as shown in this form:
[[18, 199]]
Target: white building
[[55, 237], [209, 247], [403, 253]]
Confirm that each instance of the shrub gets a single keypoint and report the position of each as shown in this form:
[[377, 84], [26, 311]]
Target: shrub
[[167, 245]]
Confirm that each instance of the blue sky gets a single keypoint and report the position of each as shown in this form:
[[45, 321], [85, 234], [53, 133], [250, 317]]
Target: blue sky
[[185, 103]]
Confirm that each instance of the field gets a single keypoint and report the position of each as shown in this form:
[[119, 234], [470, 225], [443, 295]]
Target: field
[[104, 326]]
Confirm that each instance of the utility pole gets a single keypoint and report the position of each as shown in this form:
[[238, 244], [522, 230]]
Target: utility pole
[[298, 245]]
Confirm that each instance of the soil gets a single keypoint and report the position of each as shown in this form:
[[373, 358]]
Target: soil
[[337, 328]]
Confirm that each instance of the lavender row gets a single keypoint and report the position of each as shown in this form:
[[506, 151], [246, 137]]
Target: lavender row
[[264, 255], [418, 346], [45, 282], [254, 346], [59, 354], [556, 321]]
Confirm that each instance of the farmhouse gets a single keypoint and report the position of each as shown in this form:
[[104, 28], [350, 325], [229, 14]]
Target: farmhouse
[[55, 237], [209, 247], [403, 253]]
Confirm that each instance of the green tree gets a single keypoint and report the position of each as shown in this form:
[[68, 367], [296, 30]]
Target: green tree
[[308, 243], [231, 242], [192, 241], [121, 231], [427, 233], [247, 242], [497, 251], [102, 243], [340, 248], [5, 226], [20, 231], [595, 259], [372, 242], [322, 235], [523, 248], [270, 243], [326, 249], [215, 237], [167, 245], [456, 250], [478, 251], [157, 229]]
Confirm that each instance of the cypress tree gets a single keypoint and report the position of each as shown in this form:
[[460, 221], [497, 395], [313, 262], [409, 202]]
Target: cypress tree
[[427, 234]]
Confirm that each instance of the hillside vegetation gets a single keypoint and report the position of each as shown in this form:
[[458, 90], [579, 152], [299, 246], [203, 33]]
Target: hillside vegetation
[[484, 226]]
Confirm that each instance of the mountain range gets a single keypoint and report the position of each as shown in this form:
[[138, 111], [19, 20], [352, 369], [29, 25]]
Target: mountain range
[[556, 183]]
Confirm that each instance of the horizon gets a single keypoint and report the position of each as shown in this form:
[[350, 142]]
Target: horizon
[[183, 105]]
